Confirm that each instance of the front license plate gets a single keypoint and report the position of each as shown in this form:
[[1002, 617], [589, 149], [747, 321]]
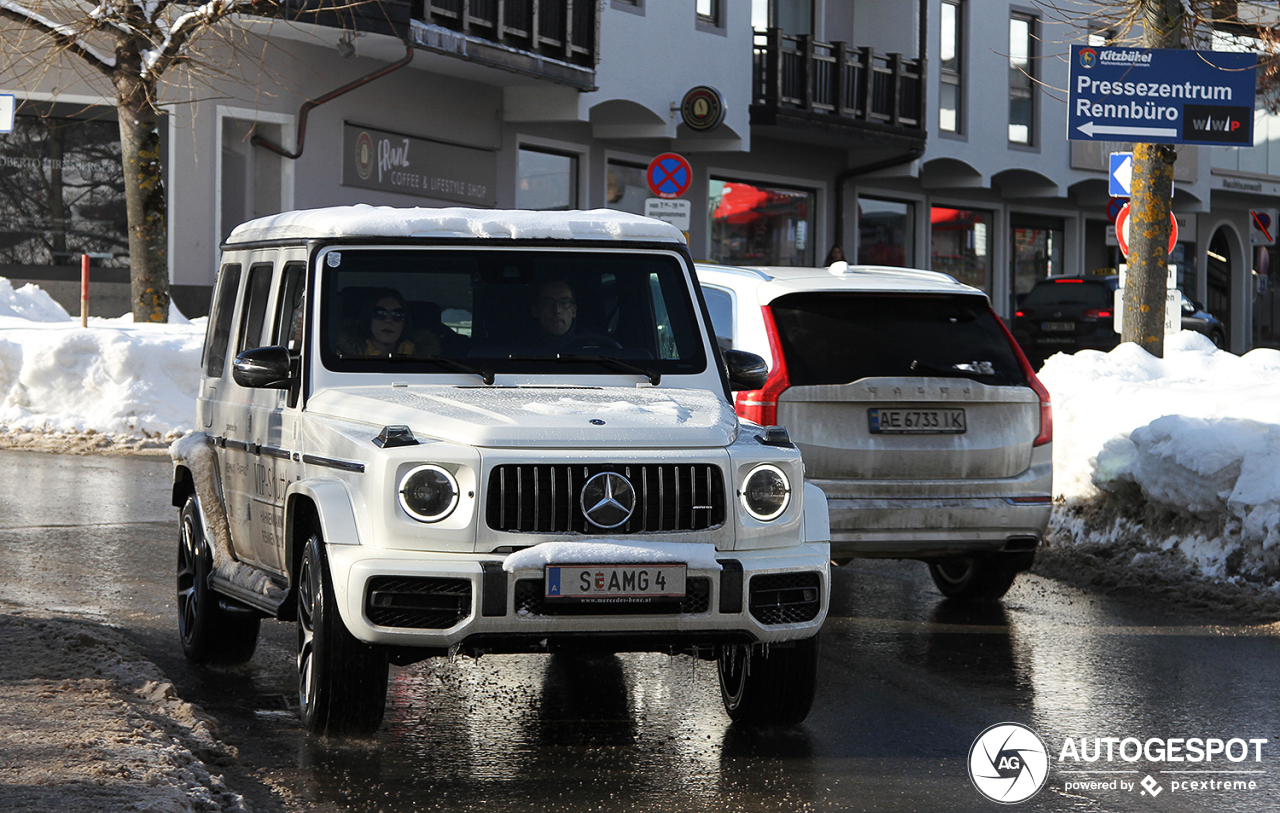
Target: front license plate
[[615, 584], [916, 421], [1057, 326]]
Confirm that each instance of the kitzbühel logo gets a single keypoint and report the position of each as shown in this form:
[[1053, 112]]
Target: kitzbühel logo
[[1008, 763], [1088, 57]]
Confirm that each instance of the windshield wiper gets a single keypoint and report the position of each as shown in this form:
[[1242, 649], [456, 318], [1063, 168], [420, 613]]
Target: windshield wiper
[[608, 361], [970, 369], [445, 361]]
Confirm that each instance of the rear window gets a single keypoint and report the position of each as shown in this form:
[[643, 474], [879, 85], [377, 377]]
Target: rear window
[[1088, 294], [835, 338]]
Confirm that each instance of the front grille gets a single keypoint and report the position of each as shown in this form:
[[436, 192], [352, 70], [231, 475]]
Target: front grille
[[697, 599], [545, 498], [786, 598], [417, 603]]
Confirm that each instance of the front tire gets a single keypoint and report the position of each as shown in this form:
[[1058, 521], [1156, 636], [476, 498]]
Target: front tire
[[342, 681], [209, 633], [973, 579], [764, 686]]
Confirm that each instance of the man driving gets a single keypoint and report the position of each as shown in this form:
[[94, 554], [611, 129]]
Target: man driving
[[555, 310]]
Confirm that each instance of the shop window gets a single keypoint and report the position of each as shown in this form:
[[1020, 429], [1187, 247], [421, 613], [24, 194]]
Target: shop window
[[252, 178], [960, 245], [627, 188], [1021, 79], [950, 48], [546, 180], [1036, 251], [62, 189], [886, 232], [761, 225]]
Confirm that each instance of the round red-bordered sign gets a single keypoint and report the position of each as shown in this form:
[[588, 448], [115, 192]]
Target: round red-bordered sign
[[669, 175], [1122, 230]]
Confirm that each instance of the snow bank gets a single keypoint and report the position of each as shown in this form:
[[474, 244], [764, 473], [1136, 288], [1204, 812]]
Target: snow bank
[[1195, 435], [113, 377], [698, 556]]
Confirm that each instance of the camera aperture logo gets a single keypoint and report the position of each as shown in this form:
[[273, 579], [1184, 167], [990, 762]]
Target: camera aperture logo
[[1008, 763]]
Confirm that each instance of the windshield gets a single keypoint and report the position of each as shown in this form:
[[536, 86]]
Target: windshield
[[489, 310]]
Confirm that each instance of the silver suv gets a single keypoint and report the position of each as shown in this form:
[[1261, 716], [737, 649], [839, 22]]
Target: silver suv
[[914, 409], [434, 431]]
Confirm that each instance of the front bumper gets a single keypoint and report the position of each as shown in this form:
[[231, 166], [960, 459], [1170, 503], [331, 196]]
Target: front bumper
[[469, 603]]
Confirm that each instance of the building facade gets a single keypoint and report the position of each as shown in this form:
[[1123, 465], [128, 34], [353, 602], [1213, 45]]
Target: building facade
[[929, 133]]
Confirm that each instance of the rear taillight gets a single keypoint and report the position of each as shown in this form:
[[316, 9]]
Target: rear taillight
[[761, 405], [1098, 313], [1046, 410], [1017, 314]]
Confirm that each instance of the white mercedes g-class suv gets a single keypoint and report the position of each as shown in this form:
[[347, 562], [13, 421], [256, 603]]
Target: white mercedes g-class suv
[[423, 432]]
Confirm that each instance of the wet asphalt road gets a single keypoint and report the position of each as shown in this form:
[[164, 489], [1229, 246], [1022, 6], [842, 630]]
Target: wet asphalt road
[[907, 682]]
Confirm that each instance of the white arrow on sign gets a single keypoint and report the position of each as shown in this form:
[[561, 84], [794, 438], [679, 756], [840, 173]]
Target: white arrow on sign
[[1124, 173], [1090, 129]]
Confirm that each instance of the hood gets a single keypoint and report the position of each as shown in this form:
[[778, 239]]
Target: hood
[[553, 417]]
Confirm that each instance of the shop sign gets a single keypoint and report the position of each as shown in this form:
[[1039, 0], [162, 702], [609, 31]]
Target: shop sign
[[422, 167], [702, 109]]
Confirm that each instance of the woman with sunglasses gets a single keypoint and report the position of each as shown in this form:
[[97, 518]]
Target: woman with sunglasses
[[382, 328]]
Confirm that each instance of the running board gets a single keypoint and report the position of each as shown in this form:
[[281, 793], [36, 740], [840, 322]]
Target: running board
[[269, 602]]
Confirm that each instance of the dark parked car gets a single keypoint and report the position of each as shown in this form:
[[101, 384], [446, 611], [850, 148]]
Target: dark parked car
[[1066, 314]]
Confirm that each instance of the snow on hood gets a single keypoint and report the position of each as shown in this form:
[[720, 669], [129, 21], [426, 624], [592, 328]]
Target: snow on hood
[[607, 417]]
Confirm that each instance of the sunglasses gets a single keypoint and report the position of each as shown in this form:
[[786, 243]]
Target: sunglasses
[[395, 314]]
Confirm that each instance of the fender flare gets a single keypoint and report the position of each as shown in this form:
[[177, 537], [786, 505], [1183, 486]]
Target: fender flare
[[334, 510], [817, 520]]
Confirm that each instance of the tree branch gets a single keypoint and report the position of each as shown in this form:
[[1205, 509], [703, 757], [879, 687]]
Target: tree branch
[[64, 36]]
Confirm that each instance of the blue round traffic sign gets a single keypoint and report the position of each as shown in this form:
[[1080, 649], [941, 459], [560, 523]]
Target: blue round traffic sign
[[669, 175]]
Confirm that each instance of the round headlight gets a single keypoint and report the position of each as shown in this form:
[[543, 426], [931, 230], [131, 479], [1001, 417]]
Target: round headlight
[[428, 493], [766, 493]]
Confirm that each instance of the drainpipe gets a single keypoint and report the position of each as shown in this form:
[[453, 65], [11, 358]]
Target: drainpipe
[[911, 155], [259, 141]]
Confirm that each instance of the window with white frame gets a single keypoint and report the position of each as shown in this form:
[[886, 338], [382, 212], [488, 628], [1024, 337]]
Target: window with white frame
[[950, 47], [546, 180], [1021, 78]]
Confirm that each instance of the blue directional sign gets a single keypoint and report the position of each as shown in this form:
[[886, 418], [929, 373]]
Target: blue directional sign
[[1161, 96], [1120, 177]]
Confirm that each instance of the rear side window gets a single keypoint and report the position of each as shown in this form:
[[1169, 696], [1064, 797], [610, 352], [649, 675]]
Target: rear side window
[[838, 338], [1086, 294], [219, 332]]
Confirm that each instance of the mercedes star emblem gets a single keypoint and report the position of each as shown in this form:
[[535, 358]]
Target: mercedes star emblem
[[608, 500]]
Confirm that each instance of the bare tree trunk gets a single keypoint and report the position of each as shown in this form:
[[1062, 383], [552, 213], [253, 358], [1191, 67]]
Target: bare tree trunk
[[144, 199], [1150, 206]]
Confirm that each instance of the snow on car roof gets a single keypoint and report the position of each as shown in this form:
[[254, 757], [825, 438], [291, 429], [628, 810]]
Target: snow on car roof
[[394, 222], [852, 278]]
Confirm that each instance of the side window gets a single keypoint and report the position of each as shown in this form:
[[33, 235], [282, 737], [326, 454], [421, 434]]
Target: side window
[[720, 305], [224, 307], [291, 307], [255, 309]]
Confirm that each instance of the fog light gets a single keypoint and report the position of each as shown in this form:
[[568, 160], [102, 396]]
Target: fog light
[[428, 493], [766, 493]]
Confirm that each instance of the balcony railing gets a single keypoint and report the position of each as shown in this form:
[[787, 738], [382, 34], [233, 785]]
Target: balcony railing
[[561, 29], [830, 79]]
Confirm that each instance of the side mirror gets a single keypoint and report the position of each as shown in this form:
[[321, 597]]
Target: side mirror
[[263, 368], [747, 371]]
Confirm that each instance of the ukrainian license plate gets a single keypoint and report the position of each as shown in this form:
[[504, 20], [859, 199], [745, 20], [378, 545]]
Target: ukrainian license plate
[[916, 421], [615, 584], [1057, 327]]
